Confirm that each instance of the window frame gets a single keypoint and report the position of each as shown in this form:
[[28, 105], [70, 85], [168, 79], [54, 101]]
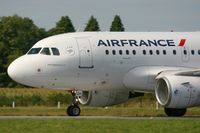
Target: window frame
[[174, 52], [31, 53], [127, 52], [120, 52], [113, 52], [164, 52], [134, 52], [56, 53], [41, 52], [151, 52], [107, 52], [192, 52], [157, 52], [144, 52]]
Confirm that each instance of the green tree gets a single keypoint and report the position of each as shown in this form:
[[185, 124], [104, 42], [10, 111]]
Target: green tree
[[92, 25], [117, 24], [17, 35], [64, 25]]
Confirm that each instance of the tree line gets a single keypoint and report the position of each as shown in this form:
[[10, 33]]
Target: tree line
[[18, 35]]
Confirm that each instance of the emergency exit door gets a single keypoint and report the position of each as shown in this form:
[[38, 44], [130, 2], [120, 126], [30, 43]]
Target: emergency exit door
[[85, 53]]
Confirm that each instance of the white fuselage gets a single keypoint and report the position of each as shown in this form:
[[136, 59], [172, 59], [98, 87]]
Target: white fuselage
[[107, 60]]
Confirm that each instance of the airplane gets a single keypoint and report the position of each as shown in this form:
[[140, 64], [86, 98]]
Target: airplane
[[108, 68]]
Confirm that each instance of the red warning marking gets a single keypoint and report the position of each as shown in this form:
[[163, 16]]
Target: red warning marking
[[182, 42]]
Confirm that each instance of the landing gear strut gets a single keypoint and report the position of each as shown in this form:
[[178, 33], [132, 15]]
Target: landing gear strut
[[73, 109], [175, 112]]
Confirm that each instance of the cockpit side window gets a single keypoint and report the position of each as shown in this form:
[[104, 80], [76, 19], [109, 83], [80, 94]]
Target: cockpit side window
[[34, 51], [45, 51], [55, 51]]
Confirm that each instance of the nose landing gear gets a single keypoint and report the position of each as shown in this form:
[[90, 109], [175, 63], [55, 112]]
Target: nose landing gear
[[73, 109]]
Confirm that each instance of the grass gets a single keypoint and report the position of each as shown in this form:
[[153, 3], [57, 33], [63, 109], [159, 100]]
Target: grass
[[144, 106], [28, 91], [90, 111], [33, 97], [98, 126], [141, 106], [85, 111]]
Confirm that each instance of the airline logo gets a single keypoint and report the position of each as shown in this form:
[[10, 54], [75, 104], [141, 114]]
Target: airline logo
[[182, 42], [139, 43]]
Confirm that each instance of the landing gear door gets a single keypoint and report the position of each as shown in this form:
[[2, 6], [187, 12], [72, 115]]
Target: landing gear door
[[85, 53]]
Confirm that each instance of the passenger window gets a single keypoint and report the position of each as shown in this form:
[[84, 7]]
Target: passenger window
[[55, 51], [192, 52], [134, 52], [199, 52], [34, 51], [45, 51], [157, 52], [164, 52], [127, 52], [174, 52], [114, 52], [144, 52], [185, 52], [120, 52], [107, 52], [150, 52]]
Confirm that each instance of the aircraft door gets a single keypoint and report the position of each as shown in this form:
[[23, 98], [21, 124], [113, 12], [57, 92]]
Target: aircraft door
[[185, 54], [85, 53]]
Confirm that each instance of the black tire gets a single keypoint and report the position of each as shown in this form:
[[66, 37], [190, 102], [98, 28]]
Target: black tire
[[73, 110], [68, 111], [172, 112]]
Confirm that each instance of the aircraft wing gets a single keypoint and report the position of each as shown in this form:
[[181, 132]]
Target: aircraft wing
[[192, 72], [144, 77]]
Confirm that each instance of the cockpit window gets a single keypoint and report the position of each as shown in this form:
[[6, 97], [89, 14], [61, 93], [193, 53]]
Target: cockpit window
[[45, 51], [34, 51], [55, 51]]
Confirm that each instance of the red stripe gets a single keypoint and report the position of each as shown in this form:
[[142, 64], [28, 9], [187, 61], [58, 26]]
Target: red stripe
[[182, 42]]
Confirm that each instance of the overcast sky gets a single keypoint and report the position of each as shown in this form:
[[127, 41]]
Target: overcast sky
[[136, 15]]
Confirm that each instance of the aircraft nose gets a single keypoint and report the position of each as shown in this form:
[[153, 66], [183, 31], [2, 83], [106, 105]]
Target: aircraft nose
[[14, 71]]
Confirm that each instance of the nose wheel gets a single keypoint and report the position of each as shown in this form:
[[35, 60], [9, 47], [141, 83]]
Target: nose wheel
[[73, 109]]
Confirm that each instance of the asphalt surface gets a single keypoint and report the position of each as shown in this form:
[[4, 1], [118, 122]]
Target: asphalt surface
[[97, 117]]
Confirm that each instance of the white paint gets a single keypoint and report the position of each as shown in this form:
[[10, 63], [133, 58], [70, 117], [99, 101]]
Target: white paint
[[105, 74], [58, 104], [13, 104]]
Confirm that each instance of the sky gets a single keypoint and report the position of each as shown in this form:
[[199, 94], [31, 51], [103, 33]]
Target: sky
[[136, 15]]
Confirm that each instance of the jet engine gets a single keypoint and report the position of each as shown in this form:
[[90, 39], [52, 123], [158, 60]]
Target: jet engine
[[178, 92], [103, 98]]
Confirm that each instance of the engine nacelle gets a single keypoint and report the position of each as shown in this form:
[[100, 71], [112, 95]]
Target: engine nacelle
[[103, 98], [178, 91]]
